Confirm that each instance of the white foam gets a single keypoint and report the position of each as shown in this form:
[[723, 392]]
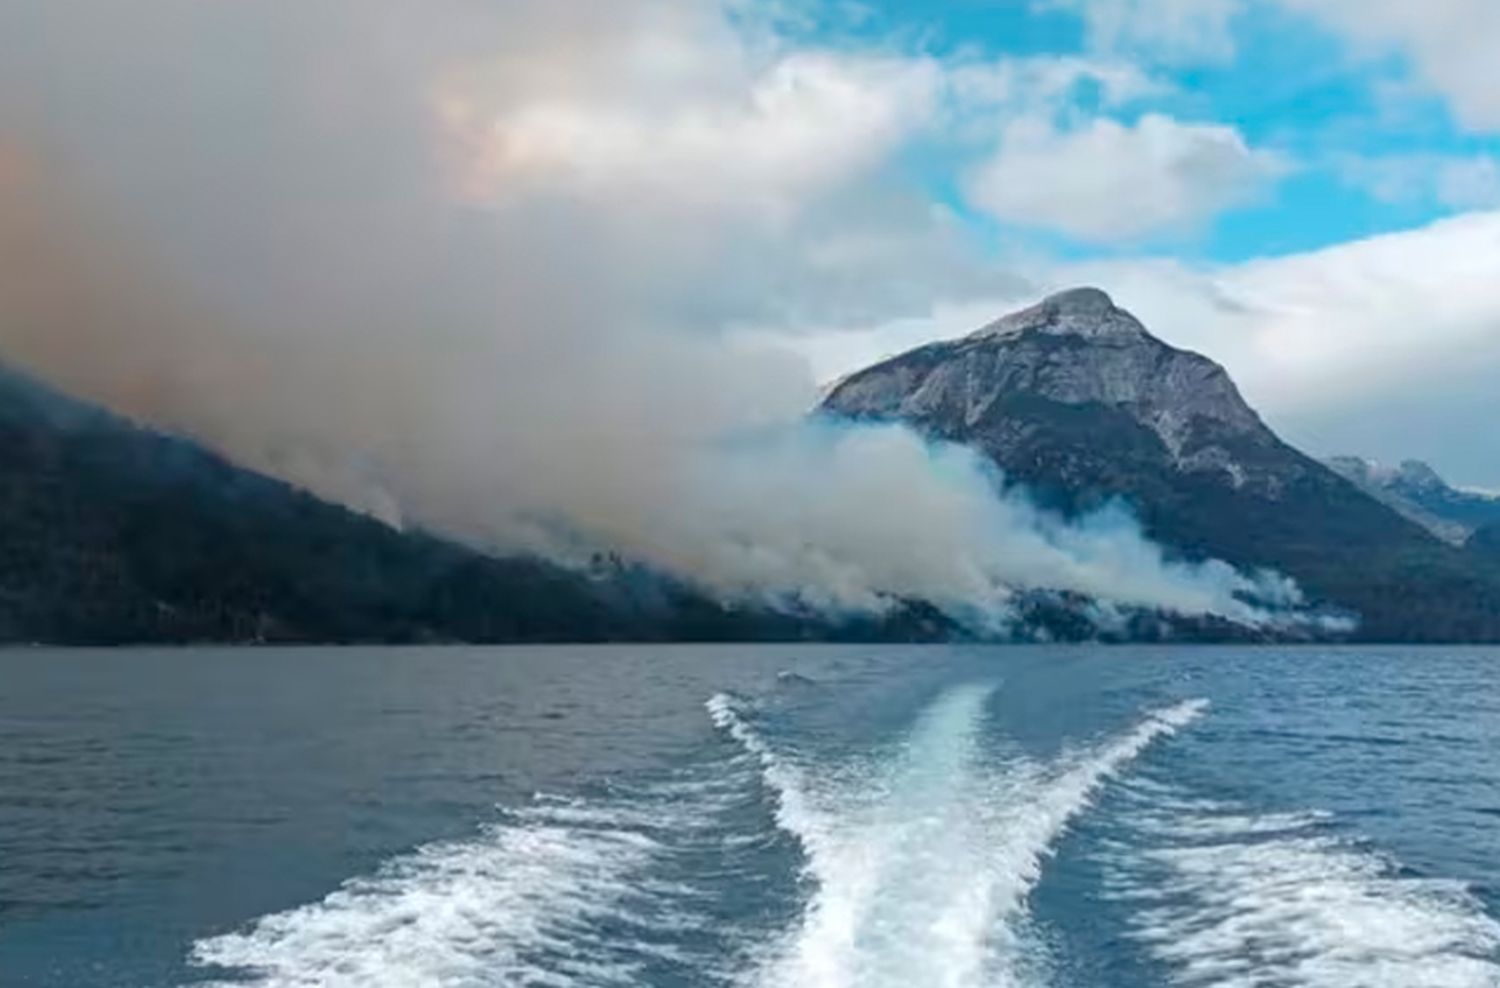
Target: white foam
[[923, 861], [1235, 900], [462, 913], [560, 895], [795, 812]]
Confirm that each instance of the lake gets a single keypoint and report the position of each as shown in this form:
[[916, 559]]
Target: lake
[[1067, 817]]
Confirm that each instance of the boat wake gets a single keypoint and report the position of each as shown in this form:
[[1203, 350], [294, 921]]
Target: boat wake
[[1229, 898], [562, 892], [769, 863], [922, 861]]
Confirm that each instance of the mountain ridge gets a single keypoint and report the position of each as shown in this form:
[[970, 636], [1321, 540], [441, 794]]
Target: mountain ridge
[[112, 533]]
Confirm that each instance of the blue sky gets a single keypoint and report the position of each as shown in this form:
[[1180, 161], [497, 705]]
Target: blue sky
[[1291, 85]]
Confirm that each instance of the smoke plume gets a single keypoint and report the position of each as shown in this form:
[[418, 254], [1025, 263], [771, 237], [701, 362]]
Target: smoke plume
[[479, 267]]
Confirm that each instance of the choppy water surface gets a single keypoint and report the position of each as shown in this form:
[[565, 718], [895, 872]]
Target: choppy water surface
[[751, 816]]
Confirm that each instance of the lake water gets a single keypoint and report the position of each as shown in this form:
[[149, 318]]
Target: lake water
[[758, 816]]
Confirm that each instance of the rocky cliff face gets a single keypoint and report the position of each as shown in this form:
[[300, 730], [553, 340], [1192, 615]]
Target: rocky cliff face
[[1076, 400], [1026, 380]]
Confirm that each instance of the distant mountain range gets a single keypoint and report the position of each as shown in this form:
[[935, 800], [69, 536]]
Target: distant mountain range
[[1415, 490], [113, 533], [1075, 400]]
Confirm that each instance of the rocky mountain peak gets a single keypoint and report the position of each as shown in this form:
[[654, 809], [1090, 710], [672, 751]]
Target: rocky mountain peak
[[1075, 401], [1072, 357], [1084, 312]]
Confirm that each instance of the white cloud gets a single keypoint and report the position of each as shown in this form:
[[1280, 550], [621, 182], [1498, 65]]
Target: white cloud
[[1357, 317], [1108, 181], [1469, 183], [716, 133], [1327, 329], [1047, 83], [1451, 45], [1172, 31], [1388, 346], [759, 132], [775, 158], [1457, 182]]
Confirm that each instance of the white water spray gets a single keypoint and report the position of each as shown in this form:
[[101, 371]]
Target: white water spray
[[923, 861]]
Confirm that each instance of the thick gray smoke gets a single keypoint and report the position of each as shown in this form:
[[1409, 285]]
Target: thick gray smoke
[[479, 266]]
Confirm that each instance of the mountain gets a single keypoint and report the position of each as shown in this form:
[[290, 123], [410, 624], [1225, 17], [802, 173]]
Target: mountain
[[1418, 492], [111, 533], [114, 533], [1074, 399], [1484, 546]]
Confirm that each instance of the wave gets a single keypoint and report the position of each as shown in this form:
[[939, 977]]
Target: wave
[[473, 912], [1232, 899], [795, 812], [923, 860], [563, 892]]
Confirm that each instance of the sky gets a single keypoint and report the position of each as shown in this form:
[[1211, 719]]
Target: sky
[[1304, 190], [537, 271]]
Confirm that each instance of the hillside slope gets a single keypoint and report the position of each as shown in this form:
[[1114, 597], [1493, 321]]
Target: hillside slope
[[111, 533]]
